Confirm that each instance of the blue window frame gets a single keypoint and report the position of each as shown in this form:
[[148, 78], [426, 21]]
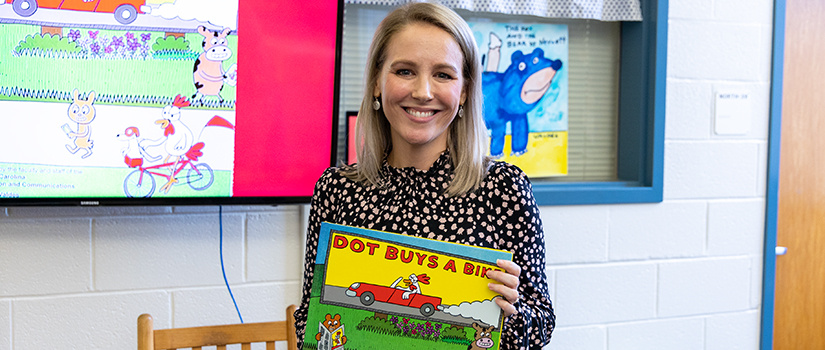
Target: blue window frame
[[772, 190], [641, 128]]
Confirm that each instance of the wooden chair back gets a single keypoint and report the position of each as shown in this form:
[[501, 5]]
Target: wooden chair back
[[219, 336]]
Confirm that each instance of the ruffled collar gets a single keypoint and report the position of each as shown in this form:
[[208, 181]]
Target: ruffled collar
[[444, 164], [416, 182]]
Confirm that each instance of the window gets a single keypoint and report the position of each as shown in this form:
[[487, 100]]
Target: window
[[640, 129], [616, 102]]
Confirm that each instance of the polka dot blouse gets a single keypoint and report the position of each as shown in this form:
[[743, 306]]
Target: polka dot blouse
[[501, 214]]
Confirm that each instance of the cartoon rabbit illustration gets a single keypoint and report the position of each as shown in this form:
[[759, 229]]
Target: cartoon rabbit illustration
[[81, 112]]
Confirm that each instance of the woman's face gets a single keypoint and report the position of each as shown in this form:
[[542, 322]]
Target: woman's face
[[421, 87]]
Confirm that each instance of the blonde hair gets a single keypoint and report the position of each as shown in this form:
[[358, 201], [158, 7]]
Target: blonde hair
[[467, 136]]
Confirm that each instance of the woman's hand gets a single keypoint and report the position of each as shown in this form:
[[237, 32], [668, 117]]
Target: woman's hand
[[507, 286]]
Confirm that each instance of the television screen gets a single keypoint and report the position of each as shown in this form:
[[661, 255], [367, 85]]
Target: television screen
[[167, 101]]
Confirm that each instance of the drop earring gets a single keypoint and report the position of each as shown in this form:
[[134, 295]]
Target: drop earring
[[376, 104], [460, 111]]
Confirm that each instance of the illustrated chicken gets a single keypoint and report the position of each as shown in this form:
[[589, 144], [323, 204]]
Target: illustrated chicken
[[177, 137], [413, 286]]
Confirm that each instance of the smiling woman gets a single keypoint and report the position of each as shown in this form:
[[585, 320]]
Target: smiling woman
[[421, 143]]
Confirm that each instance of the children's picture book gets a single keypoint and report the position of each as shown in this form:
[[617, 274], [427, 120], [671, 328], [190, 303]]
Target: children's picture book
[[380, 290]]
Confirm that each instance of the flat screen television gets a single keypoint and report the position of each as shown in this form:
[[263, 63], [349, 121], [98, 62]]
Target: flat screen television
[[166, 102]]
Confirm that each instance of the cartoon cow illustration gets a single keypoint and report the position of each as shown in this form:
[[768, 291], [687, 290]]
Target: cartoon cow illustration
[[208, 74], [510, 95], [483, 338]]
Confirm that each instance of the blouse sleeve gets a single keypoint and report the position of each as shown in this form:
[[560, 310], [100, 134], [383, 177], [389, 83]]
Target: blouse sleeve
[[320, 207], [532, 325]]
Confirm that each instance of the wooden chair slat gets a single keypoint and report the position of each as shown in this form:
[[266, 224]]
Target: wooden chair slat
[[219, 336], [216, 335]]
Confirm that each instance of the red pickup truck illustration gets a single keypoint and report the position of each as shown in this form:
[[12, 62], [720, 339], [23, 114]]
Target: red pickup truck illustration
[[369, 293], [125, 11]]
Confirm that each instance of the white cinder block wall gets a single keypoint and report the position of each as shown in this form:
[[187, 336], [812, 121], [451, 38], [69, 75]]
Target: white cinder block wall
[[682, 274], [685, 273], [79, 277]]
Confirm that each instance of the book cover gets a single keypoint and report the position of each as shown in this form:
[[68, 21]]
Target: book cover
[[376, 290]]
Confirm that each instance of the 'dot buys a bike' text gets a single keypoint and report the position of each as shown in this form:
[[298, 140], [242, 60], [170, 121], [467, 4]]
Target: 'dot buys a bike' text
[[408, 255]]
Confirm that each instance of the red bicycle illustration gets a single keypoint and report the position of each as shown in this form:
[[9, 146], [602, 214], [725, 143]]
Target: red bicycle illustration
[[141, 182]]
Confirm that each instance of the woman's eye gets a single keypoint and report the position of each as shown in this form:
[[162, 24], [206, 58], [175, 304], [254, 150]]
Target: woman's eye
[[403, 72], [444, 76]]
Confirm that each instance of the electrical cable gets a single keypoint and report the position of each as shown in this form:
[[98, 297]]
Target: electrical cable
[[223, 270]]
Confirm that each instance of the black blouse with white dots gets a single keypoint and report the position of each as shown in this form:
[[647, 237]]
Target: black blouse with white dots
[[500, 214]]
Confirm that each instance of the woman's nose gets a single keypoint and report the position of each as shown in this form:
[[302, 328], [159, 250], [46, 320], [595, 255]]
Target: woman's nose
[[422, 90]]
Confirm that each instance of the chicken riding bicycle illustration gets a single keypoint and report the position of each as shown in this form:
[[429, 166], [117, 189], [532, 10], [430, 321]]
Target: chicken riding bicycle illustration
[[182, 149]]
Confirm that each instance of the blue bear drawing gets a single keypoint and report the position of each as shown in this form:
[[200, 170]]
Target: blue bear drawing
[[510, 95]]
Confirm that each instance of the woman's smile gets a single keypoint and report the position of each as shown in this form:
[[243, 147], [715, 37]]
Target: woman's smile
[[420, 113]]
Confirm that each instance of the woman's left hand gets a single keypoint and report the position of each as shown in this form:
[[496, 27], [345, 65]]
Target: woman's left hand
[[507, 286]]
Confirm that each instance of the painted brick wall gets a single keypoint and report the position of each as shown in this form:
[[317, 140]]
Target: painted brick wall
[[682, 274]]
